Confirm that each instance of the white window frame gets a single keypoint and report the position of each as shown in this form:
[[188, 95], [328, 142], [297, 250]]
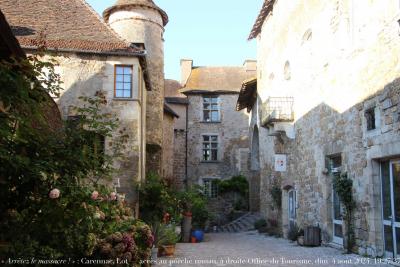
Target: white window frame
[[212, 145], [209, 182], [211, 109], [123, 82]]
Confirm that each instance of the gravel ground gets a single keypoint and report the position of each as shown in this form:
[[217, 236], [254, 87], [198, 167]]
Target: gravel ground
[[252, 249]]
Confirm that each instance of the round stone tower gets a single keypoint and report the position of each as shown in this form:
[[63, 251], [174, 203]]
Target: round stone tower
[[142, 21]]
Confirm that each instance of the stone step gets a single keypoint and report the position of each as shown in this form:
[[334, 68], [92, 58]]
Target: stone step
[[242, 224]]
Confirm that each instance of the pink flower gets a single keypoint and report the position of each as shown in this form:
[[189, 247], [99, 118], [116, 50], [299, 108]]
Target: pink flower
[[95, 195], [113, 196], [55, 193]]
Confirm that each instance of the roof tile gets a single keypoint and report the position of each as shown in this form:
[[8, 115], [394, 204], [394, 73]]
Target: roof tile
[[65, 24]]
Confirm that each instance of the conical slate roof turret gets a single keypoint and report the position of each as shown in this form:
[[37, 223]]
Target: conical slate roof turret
[[124, 4]]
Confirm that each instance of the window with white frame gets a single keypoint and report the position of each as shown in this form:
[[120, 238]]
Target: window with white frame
[[210, 187], [210, 147], [123, 81], [211, 109]]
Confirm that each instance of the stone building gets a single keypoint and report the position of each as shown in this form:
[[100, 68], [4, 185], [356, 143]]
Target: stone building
[[92, 57], [178, 102], [142, 21], [168, 142], [327, 102], [217, 142]]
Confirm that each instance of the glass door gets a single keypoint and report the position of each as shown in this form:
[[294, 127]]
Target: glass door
[[292, 209], [390, 175], [337, 219]]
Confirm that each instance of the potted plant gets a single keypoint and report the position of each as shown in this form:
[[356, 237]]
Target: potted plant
[[166, 239]]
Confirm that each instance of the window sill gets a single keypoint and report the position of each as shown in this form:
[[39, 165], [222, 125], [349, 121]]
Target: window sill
[[125, 99], [210, 161]]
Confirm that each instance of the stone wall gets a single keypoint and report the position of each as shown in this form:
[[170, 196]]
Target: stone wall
[[168, 146], [338, 59], [233, 145], [232, 132], [84, 76], [140, 25], [179, 159]]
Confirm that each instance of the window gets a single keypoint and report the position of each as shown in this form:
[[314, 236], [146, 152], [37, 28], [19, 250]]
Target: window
[[210, 147], [334, 164], [370, 117], [211, 109], [210, 187], [123, 81]]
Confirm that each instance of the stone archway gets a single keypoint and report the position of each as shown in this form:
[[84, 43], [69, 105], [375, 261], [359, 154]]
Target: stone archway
[[255, 179]]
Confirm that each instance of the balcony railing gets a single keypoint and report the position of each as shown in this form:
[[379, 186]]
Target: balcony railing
[[277, 109]]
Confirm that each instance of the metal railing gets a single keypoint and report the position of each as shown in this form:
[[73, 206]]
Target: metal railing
[[277, 109]]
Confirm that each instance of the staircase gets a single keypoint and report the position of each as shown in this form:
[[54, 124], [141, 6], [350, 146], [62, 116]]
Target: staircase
[[242, 224]]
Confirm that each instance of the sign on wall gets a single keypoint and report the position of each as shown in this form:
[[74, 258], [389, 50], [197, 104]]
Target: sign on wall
[[280, 162]]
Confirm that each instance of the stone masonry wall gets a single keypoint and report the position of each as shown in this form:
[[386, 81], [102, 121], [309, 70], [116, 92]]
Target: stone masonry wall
[[232, 134], [168, 146], [142, 25], [337, 59], [84, 76]]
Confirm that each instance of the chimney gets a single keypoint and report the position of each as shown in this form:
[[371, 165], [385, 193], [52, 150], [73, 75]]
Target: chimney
[[250, 65], [186, 69]]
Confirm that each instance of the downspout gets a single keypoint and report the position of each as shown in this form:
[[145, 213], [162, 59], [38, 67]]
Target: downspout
[[186, 146]]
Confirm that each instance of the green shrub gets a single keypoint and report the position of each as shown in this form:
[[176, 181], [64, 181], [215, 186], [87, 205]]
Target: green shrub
[[48, 176], [157, 199], [237, 184], [260, 223], [194, 201]]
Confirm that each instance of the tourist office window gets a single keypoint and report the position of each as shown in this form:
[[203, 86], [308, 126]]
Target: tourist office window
[[123, 81], [210, 187], [211, 109], [210, 147]]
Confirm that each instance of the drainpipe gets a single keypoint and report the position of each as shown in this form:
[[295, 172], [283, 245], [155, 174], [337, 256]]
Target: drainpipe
[[186, 146]]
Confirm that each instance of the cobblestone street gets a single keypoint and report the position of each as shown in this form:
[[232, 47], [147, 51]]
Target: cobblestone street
[[253, 249]]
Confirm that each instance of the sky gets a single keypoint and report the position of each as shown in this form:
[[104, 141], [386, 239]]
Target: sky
[[211, 32]]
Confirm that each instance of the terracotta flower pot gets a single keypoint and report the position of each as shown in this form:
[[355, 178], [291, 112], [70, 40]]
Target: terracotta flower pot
[[169, 250]]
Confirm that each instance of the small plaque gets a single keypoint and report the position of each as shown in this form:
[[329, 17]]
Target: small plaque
[[280, 163]]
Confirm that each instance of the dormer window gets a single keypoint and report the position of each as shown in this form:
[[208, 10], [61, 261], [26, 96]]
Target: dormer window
[[123, 81]]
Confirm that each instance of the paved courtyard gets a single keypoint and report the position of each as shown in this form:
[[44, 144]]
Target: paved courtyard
[[253, 249]]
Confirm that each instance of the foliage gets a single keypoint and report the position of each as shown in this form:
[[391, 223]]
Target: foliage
[[48, 175], [260, 223], [195, 201], [165, 235], [158, 199], [344, 188], [276, 194], [132, 245], [237, 184]]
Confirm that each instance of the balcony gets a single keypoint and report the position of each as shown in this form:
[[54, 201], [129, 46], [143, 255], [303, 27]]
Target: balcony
[[277, 115], [277, 109]]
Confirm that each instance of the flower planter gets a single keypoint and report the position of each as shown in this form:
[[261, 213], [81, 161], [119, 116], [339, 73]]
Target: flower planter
[[199, 235], [168, 250]]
